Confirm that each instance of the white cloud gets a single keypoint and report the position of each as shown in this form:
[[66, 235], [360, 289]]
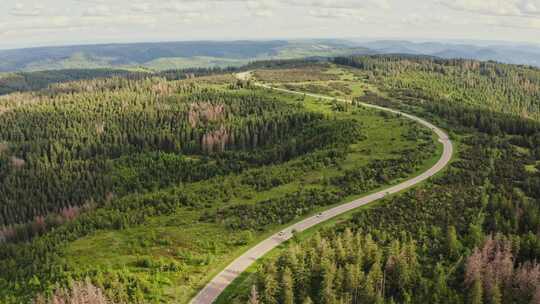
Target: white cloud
[[342, 4], [316, 8], [414, 19], [142, 7], [262, 8], [28, 23], [186, 7], [496, 7], [518, 23], [530, 7], [98, 11], [428, 18], [26, 11], [72, 22], [337, 13]]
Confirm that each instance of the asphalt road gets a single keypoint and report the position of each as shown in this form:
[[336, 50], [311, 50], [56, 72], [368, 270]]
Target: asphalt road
[[214, 288]]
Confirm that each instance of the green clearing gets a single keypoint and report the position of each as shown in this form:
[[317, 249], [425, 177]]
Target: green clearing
[[344, 83], [234, 293], [240, 287], [162, 64], [202, 249]]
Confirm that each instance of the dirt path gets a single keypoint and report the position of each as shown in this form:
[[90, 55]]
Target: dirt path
[[214, 288]]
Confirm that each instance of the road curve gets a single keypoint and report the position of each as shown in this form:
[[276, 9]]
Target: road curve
[[214, 288]]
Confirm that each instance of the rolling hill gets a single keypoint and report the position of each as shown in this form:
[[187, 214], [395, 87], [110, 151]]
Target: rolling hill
[[168, 55], [526, 54], [208, 54]]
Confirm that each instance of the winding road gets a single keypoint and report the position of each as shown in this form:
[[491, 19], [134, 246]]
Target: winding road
[[216, 286]]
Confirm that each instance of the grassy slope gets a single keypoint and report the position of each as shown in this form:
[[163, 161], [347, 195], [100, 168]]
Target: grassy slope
[[76, 61], [242, 285], [202, 249], [345, 76], [165, 56], [168, 63]]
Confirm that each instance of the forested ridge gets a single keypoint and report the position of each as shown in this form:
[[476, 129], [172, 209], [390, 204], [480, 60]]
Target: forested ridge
[[134, 189], [69, 149], [41, 80], [494, 86], [122, 155], [469, 236]]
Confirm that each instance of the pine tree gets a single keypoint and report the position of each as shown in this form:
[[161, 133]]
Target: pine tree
[[374, 282], [452, 243], [496, 295], [328, 295], [253, 296], [476, 293], [475, 235], [351, 280], [307, 300], [287, 287], [270, 291], [440, 292]]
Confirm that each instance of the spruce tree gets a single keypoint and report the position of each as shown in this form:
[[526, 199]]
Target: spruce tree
[[270, 293], [253, 296], [452, 242], [476, 293], [287, 287]]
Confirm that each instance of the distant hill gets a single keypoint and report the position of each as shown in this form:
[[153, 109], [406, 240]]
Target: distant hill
[[207, 54], [168, 55], [506, 53]]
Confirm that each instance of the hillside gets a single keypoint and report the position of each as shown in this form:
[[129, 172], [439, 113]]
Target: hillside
[[140, 187], [497, 87], [526, 54], [210, 54], [468, 236], [167, 55], [146, 187]]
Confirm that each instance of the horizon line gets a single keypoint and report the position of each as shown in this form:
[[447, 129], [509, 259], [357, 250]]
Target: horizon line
[[454, 41]]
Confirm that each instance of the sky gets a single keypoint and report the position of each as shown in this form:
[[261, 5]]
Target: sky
[[30, 23]]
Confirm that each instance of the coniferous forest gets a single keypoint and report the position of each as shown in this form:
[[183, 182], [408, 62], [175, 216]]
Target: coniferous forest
[[470, 235], [139, 187]]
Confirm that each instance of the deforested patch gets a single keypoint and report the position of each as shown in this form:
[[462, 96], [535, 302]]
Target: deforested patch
[[3, 147], [204, 112], [216, 140], [17, 162]]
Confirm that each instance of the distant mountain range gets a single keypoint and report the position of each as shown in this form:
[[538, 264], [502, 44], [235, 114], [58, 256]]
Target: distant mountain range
[[527, 54], [177, 55]]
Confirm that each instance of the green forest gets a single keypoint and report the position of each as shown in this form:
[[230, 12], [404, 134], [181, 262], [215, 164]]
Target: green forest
[[497, 87], [140, 187], [471, 235]]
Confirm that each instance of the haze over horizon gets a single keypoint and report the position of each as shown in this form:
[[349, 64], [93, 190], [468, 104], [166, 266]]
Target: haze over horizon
[[27, 23]]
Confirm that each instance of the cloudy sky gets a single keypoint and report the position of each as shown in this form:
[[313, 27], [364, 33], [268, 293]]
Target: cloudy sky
[[25, 23]]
